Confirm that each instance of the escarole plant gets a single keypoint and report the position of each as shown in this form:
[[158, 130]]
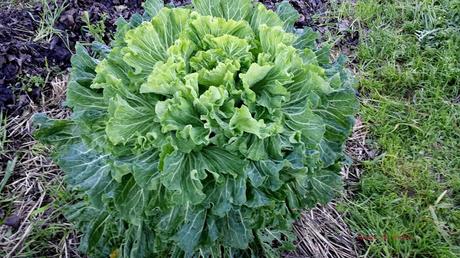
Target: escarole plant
[[201, 132]]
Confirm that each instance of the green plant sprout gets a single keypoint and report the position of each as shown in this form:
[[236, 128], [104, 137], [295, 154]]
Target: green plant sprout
[[97, 30]]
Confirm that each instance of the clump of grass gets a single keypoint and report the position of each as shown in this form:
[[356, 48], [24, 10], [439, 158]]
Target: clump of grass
[[2, 132], [409, 62], [51, 12]]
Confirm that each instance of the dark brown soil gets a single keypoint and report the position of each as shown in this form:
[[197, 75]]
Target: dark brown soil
[[178, 2], [306, 8], [21, 56]]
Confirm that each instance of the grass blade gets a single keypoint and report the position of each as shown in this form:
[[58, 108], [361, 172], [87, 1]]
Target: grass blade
[[8, 172]]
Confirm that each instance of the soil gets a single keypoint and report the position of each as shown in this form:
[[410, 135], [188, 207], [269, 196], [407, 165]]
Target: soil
[[307, 9], [23, 57]]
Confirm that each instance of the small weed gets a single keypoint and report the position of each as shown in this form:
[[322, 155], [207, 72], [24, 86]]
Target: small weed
[[97, 30], [29, 82], [39, 149]]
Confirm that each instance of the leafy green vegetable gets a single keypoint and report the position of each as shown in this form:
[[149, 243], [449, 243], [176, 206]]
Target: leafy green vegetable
[[204, 131]]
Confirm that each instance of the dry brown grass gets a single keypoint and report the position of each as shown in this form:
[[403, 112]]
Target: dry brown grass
[[31, 214]]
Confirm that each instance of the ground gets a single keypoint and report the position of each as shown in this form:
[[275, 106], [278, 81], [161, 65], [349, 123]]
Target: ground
[[402, 189]]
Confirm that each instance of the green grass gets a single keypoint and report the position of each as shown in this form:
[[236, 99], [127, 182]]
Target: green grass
[[2, 132], [408, 204]]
